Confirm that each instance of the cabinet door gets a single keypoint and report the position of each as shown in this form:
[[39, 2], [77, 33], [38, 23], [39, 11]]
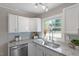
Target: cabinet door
[[23, 24], [35, 50], [31, 49], [39, 51], [71, 19], [33, 25], [49, 52], [12, 23], [39, 25]]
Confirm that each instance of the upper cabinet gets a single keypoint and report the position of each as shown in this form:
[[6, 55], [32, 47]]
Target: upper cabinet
[[71, 19], [12, 23], [23, 24], [39, 25], [35, 24]]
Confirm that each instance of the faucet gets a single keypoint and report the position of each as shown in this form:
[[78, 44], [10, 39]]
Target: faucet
[[51, 37], [51, 31], [45, 41]]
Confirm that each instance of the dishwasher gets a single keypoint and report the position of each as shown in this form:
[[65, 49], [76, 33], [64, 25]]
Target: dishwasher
[[19, 50]]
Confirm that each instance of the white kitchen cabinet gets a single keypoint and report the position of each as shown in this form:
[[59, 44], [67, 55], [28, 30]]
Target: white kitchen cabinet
[[35, 24], [39, 50], [71, 19], [39, 25], [31, 49], [23, 24], [12, 23], [29, 24], [35, 50], [49, 52]]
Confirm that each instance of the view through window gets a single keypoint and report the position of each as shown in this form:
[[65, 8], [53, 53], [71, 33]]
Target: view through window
[[52, 29]]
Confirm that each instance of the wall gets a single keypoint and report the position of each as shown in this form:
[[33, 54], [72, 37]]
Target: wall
[[4, 27]]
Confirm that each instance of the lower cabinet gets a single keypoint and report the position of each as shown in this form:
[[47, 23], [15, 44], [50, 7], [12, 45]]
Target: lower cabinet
[[49, 52], [34, 50], [31, 49], [37, 50]]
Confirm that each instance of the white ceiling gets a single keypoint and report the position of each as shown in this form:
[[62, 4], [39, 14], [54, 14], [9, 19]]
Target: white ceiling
[[28, 7]]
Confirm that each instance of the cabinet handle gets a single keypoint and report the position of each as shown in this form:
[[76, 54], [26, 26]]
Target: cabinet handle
[[43, 54]]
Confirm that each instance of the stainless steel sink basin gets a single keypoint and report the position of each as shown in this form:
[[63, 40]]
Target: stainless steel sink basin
[[50, 44], [40, 41], [53, 45]]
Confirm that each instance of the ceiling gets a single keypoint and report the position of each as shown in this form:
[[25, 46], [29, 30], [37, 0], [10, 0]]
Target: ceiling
[[28, 7]]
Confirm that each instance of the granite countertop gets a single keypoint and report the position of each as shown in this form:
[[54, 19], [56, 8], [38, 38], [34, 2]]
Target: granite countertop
[[63, 49], [19, 42]]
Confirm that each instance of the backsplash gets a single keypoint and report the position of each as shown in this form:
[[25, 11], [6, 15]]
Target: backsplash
[[26, 35], [73, 36], [69, 37]]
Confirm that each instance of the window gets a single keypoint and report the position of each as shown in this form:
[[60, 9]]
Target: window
[[52, 29]]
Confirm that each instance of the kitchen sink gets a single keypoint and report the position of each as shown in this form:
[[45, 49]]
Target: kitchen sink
[[46, 43], [40, 41], [53, 45]]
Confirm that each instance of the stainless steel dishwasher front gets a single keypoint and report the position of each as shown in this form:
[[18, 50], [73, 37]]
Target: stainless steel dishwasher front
[[19, 50]]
